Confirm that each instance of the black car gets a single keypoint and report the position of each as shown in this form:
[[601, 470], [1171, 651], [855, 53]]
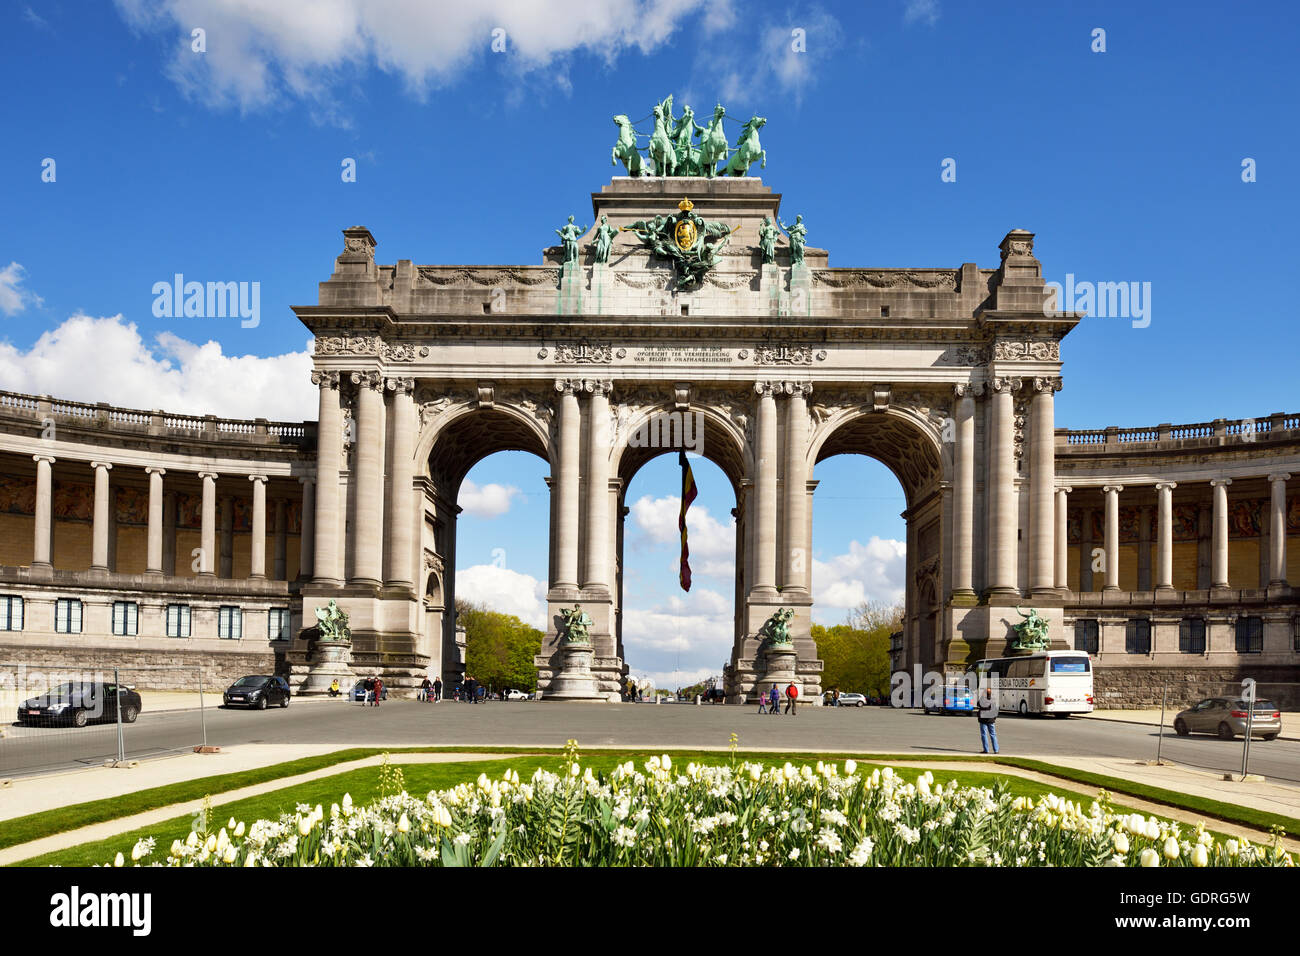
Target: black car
[[80, 703], [260, 691]]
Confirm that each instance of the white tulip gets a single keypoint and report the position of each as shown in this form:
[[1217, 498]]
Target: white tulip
[[667, 761], [239, 829], [1200, 855], [119, 860], [1150, 857], [1121, 843], [850, 767], [404, 824], [229, 856], [1171, 849]]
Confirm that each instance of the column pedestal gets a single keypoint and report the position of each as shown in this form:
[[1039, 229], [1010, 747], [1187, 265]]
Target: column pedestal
[[330, 660], [574, 679]]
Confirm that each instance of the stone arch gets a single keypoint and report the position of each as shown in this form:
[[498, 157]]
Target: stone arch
[[906, 440], [724, 443], [462, 433]]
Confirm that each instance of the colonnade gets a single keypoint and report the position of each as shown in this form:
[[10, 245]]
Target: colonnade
[[161, 523]]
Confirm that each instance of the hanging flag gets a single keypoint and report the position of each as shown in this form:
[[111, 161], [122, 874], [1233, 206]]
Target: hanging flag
[[689, 491]]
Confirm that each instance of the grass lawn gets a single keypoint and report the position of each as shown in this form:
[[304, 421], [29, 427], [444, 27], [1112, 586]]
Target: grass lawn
[[363, 785]]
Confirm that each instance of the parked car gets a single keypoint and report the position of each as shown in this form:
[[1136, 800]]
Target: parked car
[[1226, 716], [714, 695], [258, 690], [851, 700], [358, 692], [956, 700], [80, 703], [518, 695]]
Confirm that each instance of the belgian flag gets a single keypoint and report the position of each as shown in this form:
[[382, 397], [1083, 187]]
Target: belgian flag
[[689, 491]]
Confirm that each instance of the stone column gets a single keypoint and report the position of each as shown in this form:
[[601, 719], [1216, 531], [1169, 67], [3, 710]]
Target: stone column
[[280, 529], [1042, 506], [42, 546], [598, 448], [169, 533], [1277, 530], [1144, 548], [765, 484], [796, 487], [1219, 562], [257, 553], [567, 491], [368, 558], [326, 562], [99, 535], [1062, 539], [307, 531], [208, 525], [1085, 550], [1001, 485], [963, 499], [1165, 535], [1112, 536], [401, 513], [154, 549]]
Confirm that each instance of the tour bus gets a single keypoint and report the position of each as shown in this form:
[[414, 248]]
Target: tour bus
[[1047, 682]]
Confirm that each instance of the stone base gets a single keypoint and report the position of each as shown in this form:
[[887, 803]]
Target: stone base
[[330, 662], [574, 679]]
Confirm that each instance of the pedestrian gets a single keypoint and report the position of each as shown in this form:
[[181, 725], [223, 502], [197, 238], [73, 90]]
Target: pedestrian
[[379, 689], [773, 701], [424, 689], [987, 711], [368, 686], [437, 689], [334, 687], [762, 702], [791, 698]]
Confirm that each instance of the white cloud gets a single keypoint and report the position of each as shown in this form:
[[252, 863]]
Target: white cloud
[[105, 359], [706, 536], [921, 11], [14, 298], [503, 590], [485, 501], [875, 571], [671, 680], [258, 53]]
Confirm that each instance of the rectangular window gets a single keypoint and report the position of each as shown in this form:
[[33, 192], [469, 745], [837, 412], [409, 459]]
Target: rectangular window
[[1087, 636], [230, 623], [126, 618], [277, 624], [178, 620], [67, 616], [1137, 637], [1191, 635], [11, 613], [1250, 635], [1295, 635]]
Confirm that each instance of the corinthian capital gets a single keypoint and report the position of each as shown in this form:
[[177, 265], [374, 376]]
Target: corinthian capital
[[1047, 384], [1005, 384], [325, 378], [368, 379], [401, 386], [968, 389]]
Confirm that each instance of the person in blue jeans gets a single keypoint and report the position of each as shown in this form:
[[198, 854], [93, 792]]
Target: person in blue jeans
[[986, 710]]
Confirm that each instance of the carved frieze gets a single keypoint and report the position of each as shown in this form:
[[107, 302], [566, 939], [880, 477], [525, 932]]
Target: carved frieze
[[885, 279], [782, 354], [1027, 351], [584, 353], [488, 278], [347, 345]]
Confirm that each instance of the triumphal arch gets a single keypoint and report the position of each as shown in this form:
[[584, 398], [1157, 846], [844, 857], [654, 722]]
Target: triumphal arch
[[687, 299]]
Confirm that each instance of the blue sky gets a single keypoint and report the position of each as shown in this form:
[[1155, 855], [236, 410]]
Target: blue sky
[[225, 165]]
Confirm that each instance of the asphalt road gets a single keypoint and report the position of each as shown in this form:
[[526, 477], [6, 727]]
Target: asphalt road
[[409, 723]]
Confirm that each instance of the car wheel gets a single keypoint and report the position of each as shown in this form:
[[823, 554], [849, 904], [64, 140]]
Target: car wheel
[[284, 702], [261, 704], [79, 718], [1270, 736], [1225, 732], [130, 713], [1024, 708], [1180, 727], [859, 703]]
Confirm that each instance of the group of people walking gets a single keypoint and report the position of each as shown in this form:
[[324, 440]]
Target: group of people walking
[[430, 690], [769, 702]]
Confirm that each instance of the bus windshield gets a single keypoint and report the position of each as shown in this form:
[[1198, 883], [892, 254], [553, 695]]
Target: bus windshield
[[1070, 665]]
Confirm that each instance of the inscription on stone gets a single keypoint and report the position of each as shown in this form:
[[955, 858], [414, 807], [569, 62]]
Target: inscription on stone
[[690, 355]]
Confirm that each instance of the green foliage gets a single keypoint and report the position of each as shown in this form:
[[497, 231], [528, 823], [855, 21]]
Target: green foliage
[[857, 656], [499, 648]]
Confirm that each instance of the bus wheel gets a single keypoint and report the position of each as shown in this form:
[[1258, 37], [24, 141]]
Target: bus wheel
[[1024, 708]]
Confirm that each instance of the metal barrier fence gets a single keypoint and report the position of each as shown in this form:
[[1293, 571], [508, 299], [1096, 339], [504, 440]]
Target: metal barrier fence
[[1248, 721], [53, 720]]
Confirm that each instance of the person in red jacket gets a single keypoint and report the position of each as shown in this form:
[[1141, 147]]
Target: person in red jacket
[[791, 698], [379, 689]]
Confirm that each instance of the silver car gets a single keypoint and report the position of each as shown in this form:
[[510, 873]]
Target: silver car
[[1226, 716]]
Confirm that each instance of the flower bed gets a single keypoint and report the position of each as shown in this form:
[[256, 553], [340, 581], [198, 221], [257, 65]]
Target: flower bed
[[743, 815]]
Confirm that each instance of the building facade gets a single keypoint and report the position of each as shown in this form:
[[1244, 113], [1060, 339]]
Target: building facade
[[1164, 551]]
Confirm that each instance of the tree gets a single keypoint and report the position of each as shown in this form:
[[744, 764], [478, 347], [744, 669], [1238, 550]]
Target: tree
[[856, 653], [499, 648]]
